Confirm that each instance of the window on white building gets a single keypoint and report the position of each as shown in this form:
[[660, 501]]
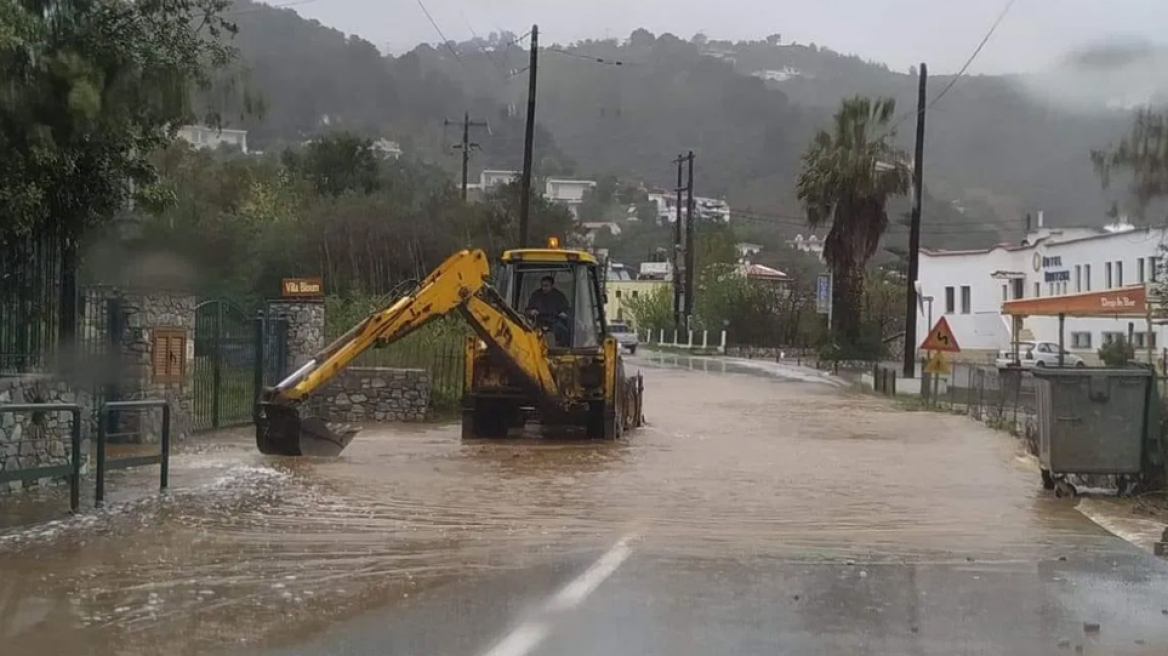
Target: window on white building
[[1109, 337], [1140, 340], [950, 301], [1081, 340], [966, 299], [1140, 270], [1119, 274], [1037, 290], [1078, 278], [1086, 277], [1107, 278], [1005, 293], [1019, 288], [1153, 269]]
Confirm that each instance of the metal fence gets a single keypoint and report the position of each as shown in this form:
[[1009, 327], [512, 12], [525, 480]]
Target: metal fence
[[1003, 399], [30, 301], [226, 352]]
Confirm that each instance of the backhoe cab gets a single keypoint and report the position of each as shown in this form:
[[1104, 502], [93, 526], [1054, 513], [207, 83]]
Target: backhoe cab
[[540, 350], [593, 392]]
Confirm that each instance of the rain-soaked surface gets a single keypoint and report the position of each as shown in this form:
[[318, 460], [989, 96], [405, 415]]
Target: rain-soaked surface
[[745, 488]]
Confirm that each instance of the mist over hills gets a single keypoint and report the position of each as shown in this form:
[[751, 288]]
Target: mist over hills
[[997, 147]]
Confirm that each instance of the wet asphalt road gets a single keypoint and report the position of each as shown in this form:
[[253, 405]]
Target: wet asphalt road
[[757, 514]]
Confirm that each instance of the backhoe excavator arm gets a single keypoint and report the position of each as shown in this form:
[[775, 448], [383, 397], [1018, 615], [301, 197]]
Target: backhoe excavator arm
[[460, 283]]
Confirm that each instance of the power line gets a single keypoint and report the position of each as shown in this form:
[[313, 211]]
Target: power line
[[592, 58], [490, 55], [445, 41], [960, 73], [976, 52]]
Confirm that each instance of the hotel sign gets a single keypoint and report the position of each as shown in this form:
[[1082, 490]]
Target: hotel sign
[[1056, 262], [301, 287]]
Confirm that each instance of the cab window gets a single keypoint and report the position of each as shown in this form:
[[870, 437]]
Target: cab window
[[575, 282]]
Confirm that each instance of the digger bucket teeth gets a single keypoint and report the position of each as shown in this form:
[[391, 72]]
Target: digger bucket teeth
[[284, 433]]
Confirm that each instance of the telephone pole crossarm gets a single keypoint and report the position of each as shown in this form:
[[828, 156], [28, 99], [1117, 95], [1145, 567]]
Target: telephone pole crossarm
[[466, 144]]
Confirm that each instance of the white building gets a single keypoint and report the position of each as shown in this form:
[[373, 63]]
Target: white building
[[968, 287], [568, 192], [201, 136], [387, 149], [712, 209], [705, 209], [656, 271], [493, 178], [810, 244], [747, 250]]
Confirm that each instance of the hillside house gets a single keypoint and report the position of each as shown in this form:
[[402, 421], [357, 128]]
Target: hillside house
[[569, 192], [810, 244], [201, 136]]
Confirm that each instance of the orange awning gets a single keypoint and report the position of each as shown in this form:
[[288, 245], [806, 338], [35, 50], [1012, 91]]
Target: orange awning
[[1123, 302]]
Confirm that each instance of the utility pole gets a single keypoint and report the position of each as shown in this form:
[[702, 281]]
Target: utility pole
[[675, 258], [914, 234], [528, 139], [467, 124], [690, 251]]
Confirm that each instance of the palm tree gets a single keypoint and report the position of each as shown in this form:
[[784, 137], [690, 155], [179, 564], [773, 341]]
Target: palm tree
[[849, 174]]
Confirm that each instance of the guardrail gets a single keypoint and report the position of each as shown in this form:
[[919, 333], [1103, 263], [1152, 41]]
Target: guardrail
[[162, 458], [71, 471], [688, 339]]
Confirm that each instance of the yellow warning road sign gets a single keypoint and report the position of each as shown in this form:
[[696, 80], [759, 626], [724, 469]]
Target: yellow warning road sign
[[941, 338], [937, 363]]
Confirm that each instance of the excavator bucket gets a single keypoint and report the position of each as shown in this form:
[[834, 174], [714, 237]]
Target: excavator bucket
[[283, 432]]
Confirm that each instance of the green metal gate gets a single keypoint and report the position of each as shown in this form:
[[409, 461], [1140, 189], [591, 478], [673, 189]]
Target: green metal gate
[[226, 352]]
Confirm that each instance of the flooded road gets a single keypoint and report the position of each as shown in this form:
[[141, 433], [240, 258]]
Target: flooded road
[[763, 510]]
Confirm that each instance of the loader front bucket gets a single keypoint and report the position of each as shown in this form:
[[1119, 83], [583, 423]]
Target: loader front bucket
[[283, 432]]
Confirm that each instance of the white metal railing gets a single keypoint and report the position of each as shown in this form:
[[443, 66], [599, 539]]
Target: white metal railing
[[686, 339]]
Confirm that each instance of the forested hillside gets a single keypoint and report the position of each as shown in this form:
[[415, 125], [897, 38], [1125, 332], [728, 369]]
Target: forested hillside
[[628, 107], [313, 79]]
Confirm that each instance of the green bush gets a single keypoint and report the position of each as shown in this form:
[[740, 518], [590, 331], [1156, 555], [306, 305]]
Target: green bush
[[1117, 353]]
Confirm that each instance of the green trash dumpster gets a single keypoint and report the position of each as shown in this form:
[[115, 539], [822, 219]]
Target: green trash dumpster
[[1091, 421]]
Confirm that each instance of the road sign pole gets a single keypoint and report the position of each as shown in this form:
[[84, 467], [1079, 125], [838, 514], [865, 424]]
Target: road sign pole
[[830, 293]]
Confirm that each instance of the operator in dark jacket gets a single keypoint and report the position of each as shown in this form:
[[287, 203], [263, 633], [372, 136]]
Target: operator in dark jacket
[[552, 307]]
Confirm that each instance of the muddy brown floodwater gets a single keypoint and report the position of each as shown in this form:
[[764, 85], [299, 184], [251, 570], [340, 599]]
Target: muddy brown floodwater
[[253, 550]]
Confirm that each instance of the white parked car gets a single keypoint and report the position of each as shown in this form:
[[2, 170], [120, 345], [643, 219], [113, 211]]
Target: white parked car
[[1038, 354], [625, 336]]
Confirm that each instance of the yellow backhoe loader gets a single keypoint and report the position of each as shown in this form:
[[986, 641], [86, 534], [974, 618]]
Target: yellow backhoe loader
[[554, 362]]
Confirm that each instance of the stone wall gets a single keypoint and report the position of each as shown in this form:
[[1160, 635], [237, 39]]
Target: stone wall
[[365, 394], [29, 440], [305, 329], [120, 365]]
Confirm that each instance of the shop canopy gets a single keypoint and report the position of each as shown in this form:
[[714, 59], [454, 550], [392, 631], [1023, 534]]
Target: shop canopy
[[1123, 302]]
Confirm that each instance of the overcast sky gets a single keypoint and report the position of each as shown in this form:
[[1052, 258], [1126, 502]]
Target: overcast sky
[[1034, 35]]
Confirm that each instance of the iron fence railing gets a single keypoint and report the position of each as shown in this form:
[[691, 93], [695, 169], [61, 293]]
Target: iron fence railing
[[1006, 399], [30, 301]]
